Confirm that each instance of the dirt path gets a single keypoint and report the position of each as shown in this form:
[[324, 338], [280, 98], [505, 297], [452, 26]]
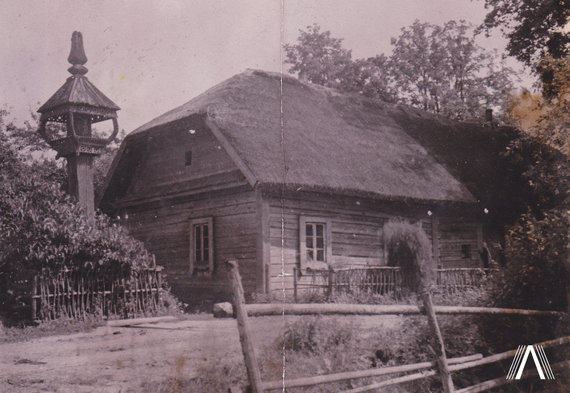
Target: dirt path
[[113, 359], [119, 359]]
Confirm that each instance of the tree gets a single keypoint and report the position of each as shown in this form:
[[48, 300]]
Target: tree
[[441, 69], [370, 77], [436, 68], [318, 57], [546, 118], [538, 267], [418, 51], [532, 27]]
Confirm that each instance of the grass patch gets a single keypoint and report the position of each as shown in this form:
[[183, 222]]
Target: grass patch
[[50, 328], [316, 345], [213, 376]]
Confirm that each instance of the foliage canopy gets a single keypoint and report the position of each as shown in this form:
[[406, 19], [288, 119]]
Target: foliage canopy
[[436, 68], [533, 28], [547, 116]]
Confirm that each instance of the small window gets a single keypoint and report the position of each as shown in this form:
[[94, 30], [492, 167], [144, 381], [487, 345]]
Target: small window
[[201, 245], [188, 158], [465, 251], [315, 242]]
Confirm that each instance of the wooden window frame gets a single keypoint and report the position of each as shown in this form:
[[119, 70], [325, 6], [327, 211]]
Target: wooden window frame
[[201, 221], [327, 222]]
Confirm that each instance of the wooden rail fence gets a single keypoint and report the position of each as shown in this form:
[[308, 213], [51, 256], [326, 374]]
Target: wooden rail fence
[[379, 280], [76, 294], [440, 366]]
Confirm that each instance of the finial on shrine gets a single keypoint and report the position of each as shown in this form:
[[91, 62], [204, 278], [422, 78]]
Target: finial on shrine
[[77, 55]]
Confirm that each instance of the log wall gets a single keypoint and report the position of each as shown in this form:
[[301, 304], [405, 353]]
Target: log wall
[[170, 188], [357, 235], [455, 234], [165, 231]]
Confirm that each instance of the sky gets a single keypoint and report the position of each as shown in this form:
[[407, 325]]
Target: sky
[[150, 56]]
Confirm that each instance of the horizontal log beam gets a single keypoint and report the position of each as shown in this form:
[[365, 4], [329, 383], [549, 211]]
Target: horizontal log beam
[[319, 379], [394, 381], [369, 309]]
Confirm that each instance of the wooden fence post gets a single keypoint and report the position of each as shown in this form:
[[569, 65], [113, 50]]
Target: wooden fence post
[[245, 337], [331, 276], [35, 298], [295, 271]]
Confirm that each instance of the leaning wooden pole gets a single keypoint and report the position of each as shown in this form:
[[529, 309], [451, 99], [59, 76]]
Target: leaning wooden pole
[[418, 274], [439, 348], [244, 331]]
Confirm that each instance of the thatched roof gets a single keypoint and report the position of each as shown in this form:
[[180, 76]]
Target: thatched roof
[[309, 137]]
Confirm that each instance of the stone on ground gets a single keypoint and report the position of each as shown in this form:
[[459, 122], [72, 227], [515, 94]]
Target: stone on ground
[[223, 310]]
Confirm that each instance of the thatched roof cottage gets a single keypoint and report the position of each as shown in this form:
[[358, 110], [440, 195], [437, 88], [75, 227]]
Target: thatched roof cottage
[[280, 174]]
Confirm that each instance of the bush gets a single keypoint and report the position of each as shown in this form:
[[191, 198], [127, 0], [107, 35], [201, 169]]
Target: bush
[[42, 229], [535, 275], [534, 278], [316, 335]]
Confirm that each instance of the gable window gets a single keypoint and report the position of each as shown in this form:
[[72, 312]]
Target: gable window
[[188, 158], [315, 242], [202, 245], [465, 251]]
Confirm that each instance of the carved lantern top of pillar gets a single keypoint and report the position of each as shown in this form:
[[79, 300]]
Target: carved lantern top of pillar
[[78, 104]]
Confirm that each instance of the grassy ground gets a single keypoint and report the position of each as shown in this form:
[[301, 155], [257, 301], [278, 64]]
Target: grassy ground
[[56, 327]]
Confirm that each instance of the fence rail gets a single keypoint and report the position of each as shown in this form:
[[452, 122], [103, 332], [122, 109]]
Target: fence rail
[[440, 366], [76, 294], [379, 280]]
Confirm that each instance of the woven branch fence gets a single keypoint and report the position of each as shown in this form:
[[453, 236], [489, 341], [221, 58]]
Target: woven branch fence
[[461, 278], [380, 280], [76, 294]]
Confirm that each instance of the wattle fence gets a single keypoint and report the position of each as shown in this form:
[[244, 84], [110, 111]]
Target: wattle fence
[[381, 280], [76, 294]]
